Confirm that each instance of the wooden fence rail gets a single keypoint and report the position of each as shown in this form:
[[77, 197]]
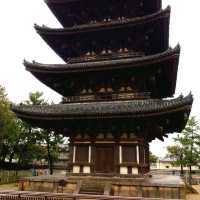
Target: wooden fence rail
[[11, 176], [22, 195]]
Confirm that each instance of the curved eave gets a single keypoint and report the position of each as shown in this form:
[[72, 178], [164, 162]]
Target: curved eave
[[104, 110], [57, 7], [44, 30], [63, 1], [36, 67], [158, 117]]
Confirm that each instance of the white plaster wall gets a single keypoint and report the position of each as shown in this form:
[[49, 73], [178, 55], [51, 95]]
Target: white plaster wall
[[123, 170], [86, 170], [76, 169], [135, 171]]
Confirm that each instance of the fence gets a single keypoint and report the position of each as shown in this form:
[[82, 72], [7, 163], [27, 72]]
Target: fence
[[9, 195], [7, 176]]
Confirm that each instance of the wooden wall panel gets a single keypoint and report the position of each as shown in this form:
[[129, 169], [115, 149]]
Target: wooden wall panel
[[129, 154], [82, 153], [142, 154]]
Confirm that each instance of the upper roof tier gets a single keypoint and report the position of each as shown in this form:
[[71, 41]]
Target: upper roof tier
[[155, 74], [160, 116], [140, 36], [76, 12]]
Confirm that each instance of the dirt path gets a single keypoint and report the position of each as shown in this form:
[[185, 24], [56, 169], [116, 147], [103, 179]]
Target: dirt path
[[193, 197], [13, 186]]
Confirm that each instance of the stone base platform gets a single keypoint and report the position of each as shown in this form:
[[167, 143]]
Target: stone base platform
[[157, 186]]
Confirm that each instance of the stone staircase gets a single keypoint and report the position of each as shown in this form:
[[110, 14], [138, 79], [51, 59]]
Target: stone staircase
[[92, 188]]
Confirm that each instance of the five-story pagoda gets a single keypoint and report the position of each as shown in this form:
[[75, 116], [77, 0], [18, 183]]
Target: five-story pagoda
[[119, 71]]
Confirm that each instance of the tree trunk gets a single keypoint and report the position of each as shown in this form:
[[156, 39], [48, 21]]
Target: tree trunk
[[50, 161], [3, 158], [19, 160], [11, 157], [50, 165], [181, 162], [3, 153], [190, 174], [182, 170]]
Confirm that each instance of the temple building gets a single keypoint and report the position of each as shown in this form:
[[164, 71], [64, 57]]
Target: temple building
[[117, 84]]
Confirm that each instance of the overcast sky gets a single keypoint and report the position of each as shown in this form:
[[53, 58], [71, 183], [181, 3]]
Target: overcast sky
[[18, 40]]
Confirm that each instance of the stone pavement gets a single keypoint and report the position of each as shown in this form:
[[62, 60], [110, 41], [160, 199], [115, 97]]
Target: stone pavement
[[194, 196]]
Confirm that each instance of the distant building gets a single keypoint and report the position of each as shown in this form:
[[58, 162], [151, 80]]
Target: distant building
[[167, 163]]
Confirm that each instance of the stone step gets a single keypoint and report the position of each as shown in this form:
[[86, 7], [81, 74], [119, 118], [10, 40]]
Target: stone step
[[92, 188]]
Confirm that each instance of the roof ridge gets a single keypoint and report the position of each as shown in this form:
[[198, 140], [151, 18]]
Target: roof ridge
[[152, 102]]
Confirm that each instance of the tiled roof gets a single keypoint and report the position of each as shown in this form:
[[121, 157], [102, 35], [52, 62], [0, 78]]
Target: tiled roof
[[135, 108], [102, 65]]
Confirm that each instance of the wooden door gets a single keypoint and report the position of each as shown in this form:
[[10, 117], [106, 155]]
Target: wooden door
[[104, 159]]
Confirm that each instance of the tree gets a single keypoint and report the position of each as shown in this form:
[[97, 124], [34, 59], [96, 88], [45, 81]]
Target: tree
[[152, 158], [45, 137], [20, 141], [189, 141], [25, 148], [35, 98], [52, 142], [187, 148], [17, 138], [176, 154], [7, 124]]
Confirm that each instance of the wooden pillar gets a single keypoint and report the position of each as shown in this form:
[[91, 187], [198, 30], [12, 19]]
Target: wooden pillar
[[138, 154], [120, 154], [92, 157], [70, 169], [116, 158], [89, 154], [74, 154], [147, 157]]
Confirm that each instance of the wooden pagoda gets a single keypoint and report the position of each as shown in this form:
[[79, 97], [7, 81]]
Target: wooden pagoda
[[116, 84]]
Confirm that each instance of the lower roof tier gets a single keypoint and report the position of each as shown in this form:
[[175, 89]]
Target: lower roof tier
[[143, 36], [154, 74], [76, 12], [153, 118]]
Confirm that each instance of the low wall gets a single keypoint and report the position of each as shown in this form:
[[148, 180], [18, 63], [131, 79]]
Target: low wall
[[157, 187]]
